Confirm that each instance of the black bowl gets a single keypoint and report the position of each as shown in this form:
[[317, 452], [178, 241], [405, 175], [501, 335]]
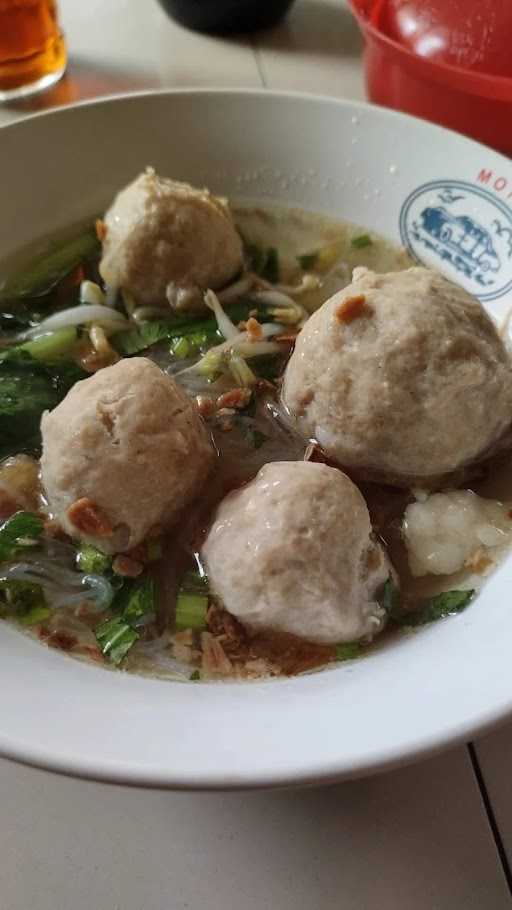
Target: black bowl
[[225, 16]]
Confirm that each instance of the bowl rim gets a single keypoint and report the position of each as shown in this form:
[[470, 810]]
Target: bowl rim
[[494, 87], [482, 720]]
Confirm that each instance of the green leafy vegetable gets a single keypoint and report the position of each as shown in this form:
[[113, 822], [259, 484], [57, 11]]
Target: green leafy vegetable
[[136, 340], [48, 269], [34, 616], [17, 533], [361, 241], [265, 262], [27, 388], [136, 603], [141, 602], [200, 333], [21, 596], [23, 601], [308, 261], [446, 604], [116, 637], [92, 561], [348, 650]]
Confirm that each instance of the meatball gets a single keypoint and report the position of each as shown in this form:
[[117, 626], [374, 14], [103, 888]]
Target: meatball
[[448, 532], [401, 377], [123, 454], [167, 242], [293, 552]]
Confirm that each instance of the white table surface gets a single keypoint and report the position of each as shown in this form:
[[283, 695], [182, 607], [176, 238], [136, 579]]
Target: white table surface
[[435, 836]]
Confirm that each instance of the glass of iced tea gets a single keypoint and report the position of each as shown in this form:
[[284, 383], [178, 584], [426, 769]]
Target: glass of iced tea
[[32, 47]]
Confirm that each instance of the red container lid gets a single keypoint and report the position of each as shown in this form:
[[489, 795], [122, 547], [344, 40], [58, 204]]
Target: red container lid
[[463, 43]]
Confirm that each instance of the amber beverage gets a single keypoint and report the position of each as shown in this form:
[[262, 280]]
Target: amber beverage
[[32, 47]]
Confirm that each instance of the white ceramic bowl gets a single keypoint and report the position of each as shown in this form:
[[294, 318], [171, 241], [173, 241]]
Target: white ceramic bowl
[[449, 199]]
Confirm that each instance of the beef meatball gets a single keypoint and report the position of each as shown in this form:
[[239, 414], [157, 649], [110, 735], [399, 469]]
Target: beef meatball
[[123, 454], [167, 242], [401, 377], [293, 551]]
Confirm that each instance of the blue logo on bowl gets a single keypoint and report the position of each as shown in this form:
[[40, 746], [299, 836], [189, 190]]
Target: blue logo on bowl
[[463, 231]]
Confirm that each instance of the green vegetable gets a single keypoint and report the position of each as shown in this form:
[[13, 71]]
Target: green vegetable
[[361, 241], [446, 604], [35, 616], [390, 599], [145, 336], [49, 348], [23, 600], [27, 388], [136, 603], [307, 261], [49, 268], [192, 602], [115, 638], [195, 676], [141, 602], [24, 395], [191, 611], [92, 561], [265, 262], [18, 532], [21, 596], [348, 650], [200, 333], [181, 348]]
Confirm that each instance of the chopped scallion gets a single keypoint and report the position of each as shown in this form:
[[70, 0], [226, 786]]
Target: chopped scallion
[[180, 348], [348, 650], [92, 561], [361, 241]]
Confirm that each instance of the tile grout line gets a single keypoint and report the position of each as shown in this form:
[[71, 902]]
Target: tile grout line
[[491, 818]]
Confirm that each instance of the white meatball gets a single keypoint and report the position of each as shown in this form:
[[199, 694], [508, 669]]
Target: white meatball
[[293, 551], [167, 242], [123, 454], [402, 377], [450, 531]]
